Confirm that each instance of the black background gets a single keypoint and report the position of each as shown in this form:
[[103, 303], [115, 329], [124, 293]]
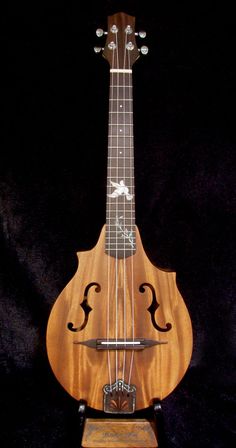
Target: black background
[[54, 101]]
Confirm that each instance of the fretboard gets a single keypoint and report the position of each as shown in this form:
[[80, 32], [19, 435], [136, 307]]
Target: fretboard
[[120, 204]]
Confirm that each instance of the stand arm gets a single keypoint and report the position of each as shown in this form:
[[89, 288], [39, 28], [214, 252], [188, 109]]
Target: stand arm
[[82, 416], [159, 422]]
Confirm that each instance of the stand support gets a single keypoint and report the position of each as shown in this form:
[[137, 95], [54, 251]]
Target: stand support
[[119, 432]]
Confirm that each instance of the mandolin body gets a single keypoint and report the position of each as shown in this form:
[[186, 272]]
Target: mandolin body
[[111, 298]]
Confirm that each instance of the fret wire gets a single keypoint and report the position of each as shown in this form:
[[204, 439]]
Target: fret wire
[[119, 166], [114, 232], [120, 243], [120, 246], [121, 205], [126, 74], [113, 218], [112, 246], [126, 165], [114, 120], [121, 240], [114, 236], [119, 212], [130, 227], [121, 111], [128, 211], [128, 205], [120, 171], [129, 219], [114, 177], [113, 204], [119, 251], [110, 238], [120, 99], [119, 160]]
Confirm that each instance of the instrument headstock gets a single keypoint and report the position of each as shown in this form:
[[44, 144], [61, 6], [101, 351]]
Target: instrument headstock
[[121, 49]]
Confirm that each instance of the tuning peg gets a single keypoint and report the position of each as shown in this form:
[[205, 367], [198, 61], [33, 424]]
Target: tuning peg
[[144, 50], [98, 49], [141, 34], [100, 32]]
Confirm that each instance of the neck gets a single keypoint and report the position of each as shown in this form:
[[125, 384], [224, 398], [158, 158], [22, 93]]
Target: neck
[[120, 204]]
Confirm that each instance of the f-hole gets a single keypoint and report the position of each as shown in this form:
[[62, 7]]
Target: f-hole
[[153, 307], [86, 308]]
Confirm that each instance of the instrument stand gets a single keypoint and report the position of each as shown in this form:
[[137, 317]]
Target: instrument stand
[[122, 431]]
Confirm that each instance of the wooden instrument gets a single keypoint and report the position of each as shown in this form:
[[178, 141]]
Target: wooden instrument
[[119, 334]]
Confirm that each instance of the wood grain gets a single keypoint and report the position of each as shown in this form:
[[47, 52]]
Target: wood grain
[[83, 371]]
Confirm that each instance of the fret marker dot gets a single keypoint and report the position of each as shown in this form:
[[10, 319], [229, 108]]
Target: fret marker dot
[[121, 106], [120, 130]]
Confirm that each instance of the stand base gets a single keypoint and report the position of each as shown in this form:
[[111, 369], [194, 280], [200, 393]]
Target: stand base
[[120, 433]]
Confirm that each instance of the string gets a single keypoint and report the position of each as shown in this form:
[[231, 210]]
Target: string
[[110, 223], [119, 122], [131, 158], [117, 199], [124, 150]]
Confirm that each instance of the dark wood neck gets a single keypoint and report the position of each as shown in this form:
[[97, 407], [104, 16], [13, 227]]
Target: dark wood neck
[[120, 203]]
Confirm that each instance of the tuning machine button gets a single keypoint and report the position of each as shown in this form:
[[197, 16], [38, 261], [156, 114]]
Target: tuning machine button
[[100, 32], [98, 49], [141, 34], [144, 49]]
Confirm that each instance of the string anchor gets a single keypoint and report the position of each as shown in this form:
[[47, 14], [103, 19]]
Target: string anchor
[[119, 398]]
